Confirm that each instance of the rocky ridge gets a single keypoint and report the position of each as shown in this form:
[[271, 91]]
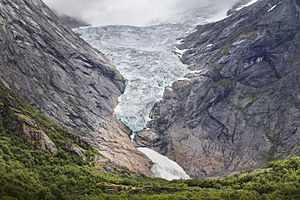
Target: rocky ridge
[[239, 107], [65, 78]]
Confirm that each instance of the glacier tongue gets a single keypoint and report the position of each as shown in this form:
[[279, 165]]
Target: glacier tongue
[[148, 60], [144, 57]]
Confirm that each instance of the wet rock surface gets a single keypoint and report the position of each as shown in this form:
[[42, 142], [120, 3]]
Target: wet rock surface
[[239, 108], [65, 78]]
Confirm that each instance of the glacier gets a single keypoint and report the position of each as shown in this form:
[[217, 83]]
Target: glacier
[[150, 62], [147, 59], [144, 56]]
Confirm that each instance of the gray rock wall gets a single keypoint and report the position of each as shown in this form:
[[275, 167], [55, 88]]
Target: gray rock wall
[[65, 78], [241, 106]]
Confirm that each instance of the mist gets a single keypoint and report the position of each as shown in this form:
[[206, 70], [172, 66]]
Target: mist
[[131, 12]]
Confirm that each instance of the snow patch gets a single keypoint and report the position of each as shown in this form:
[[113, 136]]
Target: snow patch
[[169, 88], [238, 42], [246, 5], [183, 79], [164, 167], [272, 8], [191, 32], [179, 41], [259, 59], [196, 72], [179, 52]]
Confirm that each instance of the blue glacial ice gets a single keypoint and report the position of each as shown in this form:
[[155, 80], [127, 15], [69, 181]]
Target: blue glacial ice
[[148, 60], [146, 57]]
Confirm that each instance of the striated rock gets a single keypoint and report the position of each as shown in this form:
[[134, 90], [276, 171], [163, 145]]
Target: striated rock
[[239, 108], [22, 124], [78, 151], [146, 138], [38, 138], [103, 164], [65, 78], [117, 147]]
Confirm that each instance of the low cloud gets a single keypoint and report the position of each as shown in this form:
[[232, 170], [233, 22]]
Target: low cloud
[[130, 12]]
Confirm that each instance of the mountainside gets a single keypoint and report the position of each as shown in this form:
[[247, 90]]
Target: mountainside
[[63, 77], [41, 160], [42, 62], [239, 107]]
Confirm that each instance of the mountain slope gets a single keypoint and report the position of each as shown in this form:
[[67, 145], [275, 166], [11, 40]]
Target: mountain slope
[[239, 108], [69, 168], [65, 78]]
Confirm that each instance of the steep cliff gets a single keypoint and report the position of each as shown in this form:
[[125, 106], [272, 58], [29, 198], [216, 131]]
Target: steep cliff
[[240, 105], [62, 76]]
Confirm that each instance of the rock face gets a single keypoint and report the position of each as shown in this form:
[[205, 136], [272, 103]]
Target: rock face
[[240, 106], [39, 138], [65, 78]]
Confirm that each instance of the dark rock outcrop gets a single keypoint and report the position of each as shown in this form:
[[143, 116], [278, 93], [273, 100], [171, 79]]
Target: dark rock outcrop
[[146, 138], [65, 78], [241, 105]]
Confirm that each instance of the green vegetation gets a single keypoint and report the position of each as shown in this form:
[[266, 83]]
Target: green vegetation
[[28, 172]]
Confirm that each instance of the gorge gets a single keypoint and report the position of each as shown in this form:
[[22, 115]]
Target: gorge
[[198, 102]]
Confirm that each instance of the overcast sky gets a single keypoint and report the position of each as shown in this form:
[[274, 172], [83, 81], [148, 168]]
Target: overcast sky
[[130, 12]]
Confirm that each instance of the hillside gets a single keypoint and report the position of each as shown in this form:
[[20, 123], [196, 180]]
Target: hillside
[[41, 160], [65, 78]]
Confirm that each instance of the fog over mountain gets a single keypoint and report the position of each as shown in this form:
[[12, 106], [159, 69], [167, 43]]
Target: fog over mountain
[[130, 12]]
